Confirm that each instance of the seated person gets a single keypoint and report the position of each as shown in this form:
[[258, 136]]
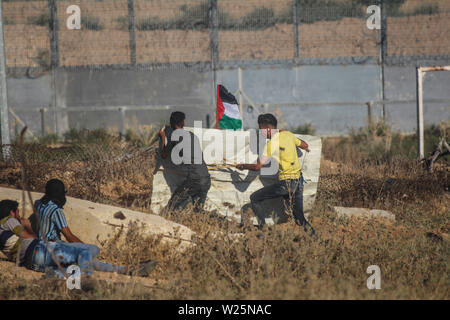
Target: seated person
[[35, 255]]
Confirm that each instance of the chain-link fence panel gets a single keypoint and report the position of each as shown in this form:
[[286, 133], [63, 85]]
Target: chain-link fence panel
[[419, 28], [103, 37], [27, 41], [94, 165], [255, 29], [172, 31], [330, 29]]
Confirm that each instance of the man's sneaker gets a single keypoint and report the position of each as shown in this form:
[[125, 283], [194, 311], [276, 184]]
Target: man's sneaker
[[146, 267], [307, 227], [309, 230], [50, 273]]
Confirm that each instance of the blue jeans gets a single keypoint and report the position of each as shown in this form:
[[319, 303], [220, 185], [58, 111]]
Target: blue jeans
[[68, 254], [95, 251], [290, 190]]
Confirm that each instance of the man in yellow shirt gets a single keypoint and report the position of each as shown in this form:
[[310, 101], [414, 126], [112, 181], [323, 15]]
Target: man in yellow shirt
[[282, 147]]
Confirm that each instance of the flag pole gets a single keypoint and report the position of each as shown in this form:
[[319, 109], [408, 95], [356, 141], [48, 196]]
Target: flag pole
[[241, 97], [4, 119]]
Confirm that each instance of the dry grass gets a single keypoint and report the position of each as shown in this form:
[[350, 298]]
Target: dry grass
[[413, 252]]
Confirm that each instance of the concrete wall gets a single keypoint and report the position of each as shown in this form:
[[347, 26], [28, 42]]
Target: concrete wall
[[191, 90], [401, 85]]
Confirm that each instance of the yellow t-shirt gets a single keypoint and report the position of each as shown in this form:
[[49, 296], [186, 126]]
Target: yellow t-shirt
[[283, 148]]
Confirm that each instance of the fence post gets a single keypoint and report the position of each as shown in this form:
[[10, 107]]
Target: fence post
[[420, 134], [4, 117], [214, 45], [54, 57], [241, 96], [131, 29], [42, 122], [54, 49], [369, 113], [122, 128], [383, 53], [16, 128], [295, 20]]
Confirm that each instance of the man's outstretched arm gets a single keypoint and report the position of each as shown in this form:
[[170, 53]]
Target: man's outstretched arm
[[70, 237], [28, 228], [254, 166], [302, 145]]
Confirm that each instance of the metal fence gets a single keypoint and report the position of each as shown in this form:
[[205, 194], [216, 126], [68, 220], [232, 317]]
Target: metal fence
[[211, 36]]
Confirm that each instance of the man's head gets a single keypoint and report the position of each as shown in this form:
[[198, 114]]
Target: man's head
[[9, 208], [177, 120], [56, 191], [267, 122]]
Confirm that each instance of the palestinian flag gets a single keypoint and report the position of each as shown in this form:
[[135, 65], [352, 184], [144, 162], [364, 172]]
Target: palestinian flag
[[228, 115]]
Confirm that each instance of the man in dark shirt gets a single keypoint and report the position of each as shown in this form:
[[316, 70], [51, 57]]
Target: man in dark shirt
[[197, 181]]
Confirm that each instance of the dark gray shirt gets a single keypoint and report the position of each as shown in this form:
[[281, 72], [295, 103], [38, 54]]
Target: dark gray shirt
[[194, 164]]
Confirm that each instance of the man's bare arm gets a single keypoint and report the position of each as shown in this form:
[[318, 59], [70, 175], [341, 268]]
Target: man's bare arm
[[70, 237], [26, 235], [162, 136], [255, 166], [304, 145], [28, 228]]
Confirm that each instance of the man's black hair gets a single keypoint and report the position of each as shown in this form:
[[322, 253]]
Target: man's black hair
[[176, 118], [6, 206], [260, 118], [56, 192], [268, 119]]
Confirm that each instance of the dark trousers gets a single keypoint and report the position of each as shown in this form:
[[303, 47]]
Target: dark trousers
[[191, 190], [290, 190]]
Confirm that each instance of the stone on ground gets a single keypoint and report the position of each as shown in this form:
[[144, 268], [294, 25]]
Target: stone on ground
[[363, 212]]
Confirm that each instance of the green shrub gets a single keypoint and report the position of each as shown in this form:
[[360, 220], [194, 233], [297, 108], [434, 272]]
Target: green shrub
[[91, 23], [43, 59], [153, 23], [143, 137], [7, 20], [50, 138], [122, 22], [306, 128], [380, 144], [191, 18], [84, 136], [40, 20], [259, 18], [392, 6], [322, 10], [425, 9]]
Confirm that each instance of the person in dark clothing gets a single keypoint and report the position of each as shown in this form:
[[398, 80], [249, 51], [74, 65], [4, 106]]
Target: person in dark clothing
[[185, 153]]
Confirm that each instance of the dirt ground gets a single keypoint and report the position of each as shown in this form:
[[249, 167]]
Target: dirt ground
[[8, 267]]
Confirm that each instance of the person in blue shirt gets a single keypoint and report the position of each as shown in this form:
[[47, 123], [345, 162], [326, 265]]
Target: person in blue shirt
[[17, 243], [52, 222]]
